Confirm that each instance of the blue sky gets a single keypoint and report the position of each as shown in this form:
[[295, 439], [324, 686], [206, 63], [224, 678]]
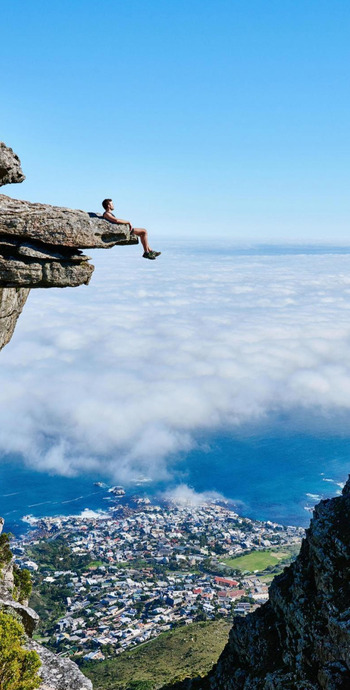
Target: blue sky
[[224, 118]]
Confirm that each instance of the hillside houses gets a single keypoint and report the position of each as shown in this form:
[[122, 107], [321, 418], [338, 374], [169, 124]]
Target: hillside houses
[[150, 569]]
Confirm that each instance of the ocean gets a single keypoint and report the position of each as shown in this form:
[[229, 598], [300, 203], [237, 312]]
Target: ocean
[[219, 369], [278, 479]]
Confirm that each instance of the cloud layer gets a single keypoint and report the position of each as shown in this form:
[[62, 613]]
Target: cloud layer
[[121, 376]]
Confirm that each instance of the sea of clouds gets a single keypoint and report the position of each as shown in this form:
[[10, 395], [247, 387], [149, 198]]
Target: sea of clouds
[[119, 377]]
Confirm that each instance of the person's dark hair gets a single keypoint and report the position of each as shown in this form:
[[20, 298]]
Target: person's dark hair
[[105, 203]]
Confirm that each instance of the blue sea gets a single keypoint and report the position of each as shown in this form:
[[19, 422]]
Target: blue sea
[[275, 478], [275, 473]]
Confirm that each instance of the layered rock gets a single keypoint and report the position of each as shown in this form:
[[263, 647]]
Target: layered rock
[[40, 245], [299, 639]]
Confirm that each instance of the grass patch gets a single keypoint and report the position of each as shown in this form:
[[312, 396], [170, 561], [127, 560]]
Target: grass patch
[[95, 564], [256, 560], [260, 560], [186, 651]]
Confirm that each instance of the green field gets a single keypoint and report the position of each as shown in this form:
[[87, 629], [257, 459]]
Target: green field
[[95, 564], [257, 560], [186, 651]]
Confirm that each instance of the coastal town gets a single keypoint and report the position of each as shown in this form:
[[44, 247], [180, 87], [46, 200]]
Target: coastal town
[[144, 568]]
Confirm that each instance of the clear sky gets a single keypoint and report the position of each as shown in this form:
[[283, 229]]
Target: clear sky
[[225, 117]]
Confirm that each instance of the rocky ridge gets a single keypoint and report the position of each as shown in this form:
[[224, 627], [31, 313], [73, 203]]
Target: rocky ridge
[[299, 639]]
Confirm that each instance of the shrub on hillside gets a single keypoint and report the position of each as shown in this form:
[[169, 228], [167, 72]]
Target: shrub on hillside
[[23, 584], [5, 551], [18, 667]]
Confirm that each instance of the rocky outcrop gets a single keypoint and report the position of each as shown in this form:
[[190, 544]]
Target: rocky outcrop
[[40, 245], [299, 639], [12, 301], [10, 166], [28, 616]]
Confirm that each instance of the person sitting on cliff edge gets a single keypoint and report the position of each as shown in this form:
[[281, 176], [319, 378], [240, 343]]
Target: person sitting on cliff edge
[[139, 232]]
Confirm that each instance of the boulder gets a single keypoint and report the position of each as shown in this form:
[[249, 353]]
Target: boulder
[[10, 166], [29, 617]]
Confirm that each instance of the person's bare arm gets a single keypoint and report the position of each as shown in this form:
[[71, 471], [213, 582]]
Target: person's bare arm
[[113, 219]]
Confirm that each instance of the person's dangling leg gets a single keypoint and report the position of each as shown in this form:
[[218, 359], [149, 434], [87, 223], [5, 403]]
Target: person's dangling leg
[[143, 235]]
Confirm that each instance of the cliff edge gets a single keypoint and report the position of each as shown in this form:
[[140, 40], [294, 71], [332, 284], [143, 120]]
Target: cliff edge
[[41, 245], [299, 639]]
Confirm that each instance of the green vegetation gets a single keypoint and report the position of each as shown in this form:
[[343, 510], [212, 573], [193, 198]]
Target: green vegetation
[[49, 601], [256, 560], [56, 555], [95, 564], [18, 667], [269, 560], [49, 598], [23, 584], [5, 551], [185, 651]]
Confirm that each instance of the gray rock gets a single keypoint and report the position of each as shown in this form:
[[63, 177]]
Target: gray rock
[[10, 166], [58, 673], [12, 301], [40, 245], [57, 226], [45, 254], [44, 274], [29, 617]]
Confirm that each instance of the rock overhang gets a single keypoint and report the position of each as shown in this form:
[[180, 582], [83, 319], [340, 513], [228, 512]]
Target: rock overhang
[[40, 244]]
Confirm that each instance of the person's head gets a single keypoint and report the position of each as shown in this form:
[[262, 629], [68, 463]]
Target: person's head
[[107, 204]]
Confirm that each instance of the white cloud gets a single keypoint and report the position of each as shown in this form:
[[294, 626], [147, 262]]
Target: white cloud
[[184, 495], [123, 375]]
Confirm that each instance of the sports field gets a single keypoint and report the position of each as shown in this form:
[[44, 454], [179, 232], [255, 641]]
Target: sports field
[[256, 560]]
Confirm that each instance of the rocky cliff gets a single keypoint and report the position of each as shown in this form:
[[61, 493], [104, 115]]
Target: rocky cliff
[[41, 245], [56, 673], [300, 639], [12, 301]]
